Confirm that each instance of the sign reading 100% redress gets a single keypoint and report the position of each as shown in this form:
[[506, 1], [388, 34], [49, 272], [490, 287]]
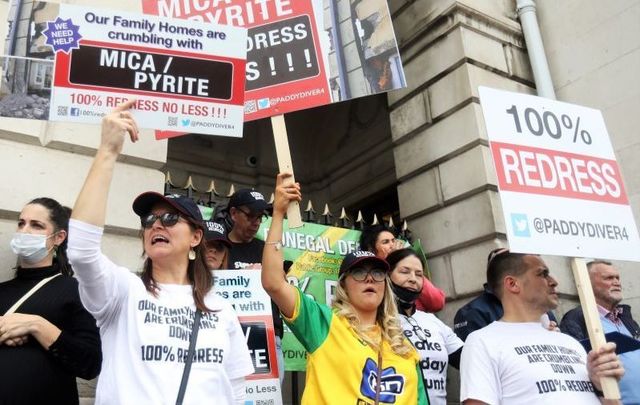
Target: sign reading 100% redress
[[560, 185]]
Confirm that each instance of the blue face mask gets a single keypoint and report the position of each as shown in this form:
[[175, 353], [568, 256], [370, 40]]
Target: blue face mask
[[30, 248]]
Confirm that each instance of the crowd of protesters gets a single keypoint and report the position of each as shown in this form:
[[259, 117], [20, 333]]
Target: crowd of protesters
[[71, 312]]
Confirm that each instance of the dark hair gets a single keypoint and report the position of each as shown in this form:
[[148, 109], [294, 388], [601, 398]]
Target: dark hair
[[401, 254], [502, 262], [199, 275], [58, 215], [598, 261], [369, 236]]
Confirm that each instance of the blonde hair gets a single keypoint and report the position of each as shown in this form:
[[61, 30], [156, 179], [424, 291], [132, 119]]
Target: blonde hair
[[386, 318]]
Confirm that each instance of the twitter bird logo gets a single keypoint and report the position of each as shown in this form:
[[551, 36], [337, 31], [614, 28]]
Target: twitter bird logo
[[520, 225]]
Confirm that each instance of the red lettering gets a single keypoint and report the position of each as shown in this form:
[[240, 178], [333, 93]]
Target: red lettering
[[549, 172]]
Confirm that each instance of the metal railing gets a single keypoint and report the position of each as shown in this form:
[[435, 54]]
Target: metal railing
[[211, 197]]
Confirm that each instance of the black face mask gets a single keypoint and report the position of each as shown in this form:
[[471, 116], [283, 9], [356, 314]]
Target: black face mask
[[404, 296]]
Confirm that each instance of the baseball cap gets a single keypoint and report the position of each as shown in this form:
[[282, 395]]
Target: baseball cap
[[359, 257], [249, 198], [186, 206], [215, 232]]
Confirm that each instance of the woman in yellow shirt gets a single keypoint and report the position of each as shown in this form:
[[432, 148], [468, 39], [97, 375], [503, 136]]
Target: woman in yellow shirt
[[357, 351]]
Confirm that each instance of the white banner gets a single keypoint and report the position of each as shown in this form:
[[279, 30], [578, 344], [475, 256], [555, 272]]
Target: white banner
[[186, 76], [560, 185]]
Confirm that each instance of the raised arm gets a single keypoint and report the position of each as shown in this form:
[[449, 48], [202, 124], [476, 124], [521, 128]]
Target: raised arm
[[103, 286], [273, 281], [91, 204]]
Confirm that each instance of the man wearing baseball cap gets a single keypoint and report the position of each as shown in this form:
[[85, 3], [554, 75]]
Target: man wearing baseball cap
[[246, 208]]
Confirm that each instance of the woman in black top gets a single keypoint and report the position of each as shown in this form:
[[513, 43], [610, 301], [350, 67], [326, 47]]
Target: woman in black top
[[50, 339]]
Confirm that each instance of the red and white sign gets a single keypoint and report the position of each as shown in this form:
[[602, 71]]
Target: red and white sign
[[285, 64], [560, 185], [186, 76], [243, 289]]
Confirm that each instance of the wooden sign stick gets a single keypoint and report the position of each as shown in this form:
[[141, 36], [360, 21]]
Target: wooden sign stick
[[592, 319], [283, 154]]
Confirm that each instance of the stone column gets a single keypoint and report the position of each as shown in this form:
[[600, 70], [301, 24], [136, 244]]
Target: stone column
[[447, 185]]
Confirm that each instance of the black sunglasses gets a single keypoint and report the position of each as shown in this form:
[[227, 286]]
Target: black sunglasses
[[360, 274], [167, 219], [252, 217]]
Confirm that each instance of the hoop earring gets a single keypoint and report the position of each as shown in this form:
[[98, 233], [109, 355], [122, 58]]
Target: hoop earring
[[192, 254]]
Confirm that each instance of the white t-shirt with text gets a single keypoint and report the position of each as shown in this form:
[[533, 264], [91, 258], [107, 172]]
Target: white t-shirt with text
[[145, 339], [524, 363], [434, 341]]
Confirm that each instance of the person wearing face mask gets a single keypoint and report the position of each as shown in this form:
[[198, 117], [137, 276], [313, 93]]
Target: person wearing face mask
[[47, 338], [436, 343], [167, 336], [379, 240]]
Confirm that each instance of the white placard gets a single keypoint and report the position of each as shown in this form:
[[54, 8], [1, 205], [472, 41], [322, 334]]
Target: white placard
[[243, 289], [185, 76], [560, 185]]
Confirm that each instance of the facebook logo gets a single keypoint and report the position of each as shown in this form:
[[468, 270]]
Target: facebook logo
[[520, 225], [75, 111]]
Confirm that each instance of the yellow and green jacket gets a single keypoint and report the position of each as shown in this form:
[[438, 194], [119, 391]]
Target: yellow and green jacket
[[342, 369]]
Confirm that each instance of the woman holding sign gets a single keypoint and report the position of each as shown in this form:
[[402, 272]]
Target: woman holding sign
[[437, 344], [357, 351], [155, 326]]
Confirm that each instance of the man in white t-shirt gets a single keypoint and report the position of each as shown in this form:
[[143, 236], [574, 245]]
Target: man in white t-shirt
[[515, 360]]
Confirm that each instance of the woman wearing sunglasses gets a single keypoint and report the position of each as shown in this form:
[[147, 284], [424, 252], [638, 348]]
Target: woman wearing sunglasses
[[149, 323], [357, 352], [436, 343]]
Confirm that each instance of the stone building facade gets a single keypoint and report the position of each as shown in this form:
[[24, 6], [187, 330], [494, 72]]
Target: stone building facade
[[424, 146]]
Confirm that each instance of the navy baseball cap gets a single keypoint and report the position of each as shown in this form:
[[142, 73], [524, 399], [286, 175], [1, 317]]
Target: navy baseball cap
[[249, 198], [186, 206], [215, 232], [359, 257]]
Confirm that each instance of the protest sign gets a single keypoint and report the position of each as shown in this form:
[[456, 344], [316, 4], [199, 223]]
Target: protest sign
[[303, 53], [243, 289], [561, 189], [185, 76], [560, 185]]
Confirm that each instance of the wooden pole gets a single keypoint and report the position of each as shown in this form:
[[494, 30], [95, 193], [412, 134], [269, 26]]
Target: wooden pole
[[592, 319], [283, 154]]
